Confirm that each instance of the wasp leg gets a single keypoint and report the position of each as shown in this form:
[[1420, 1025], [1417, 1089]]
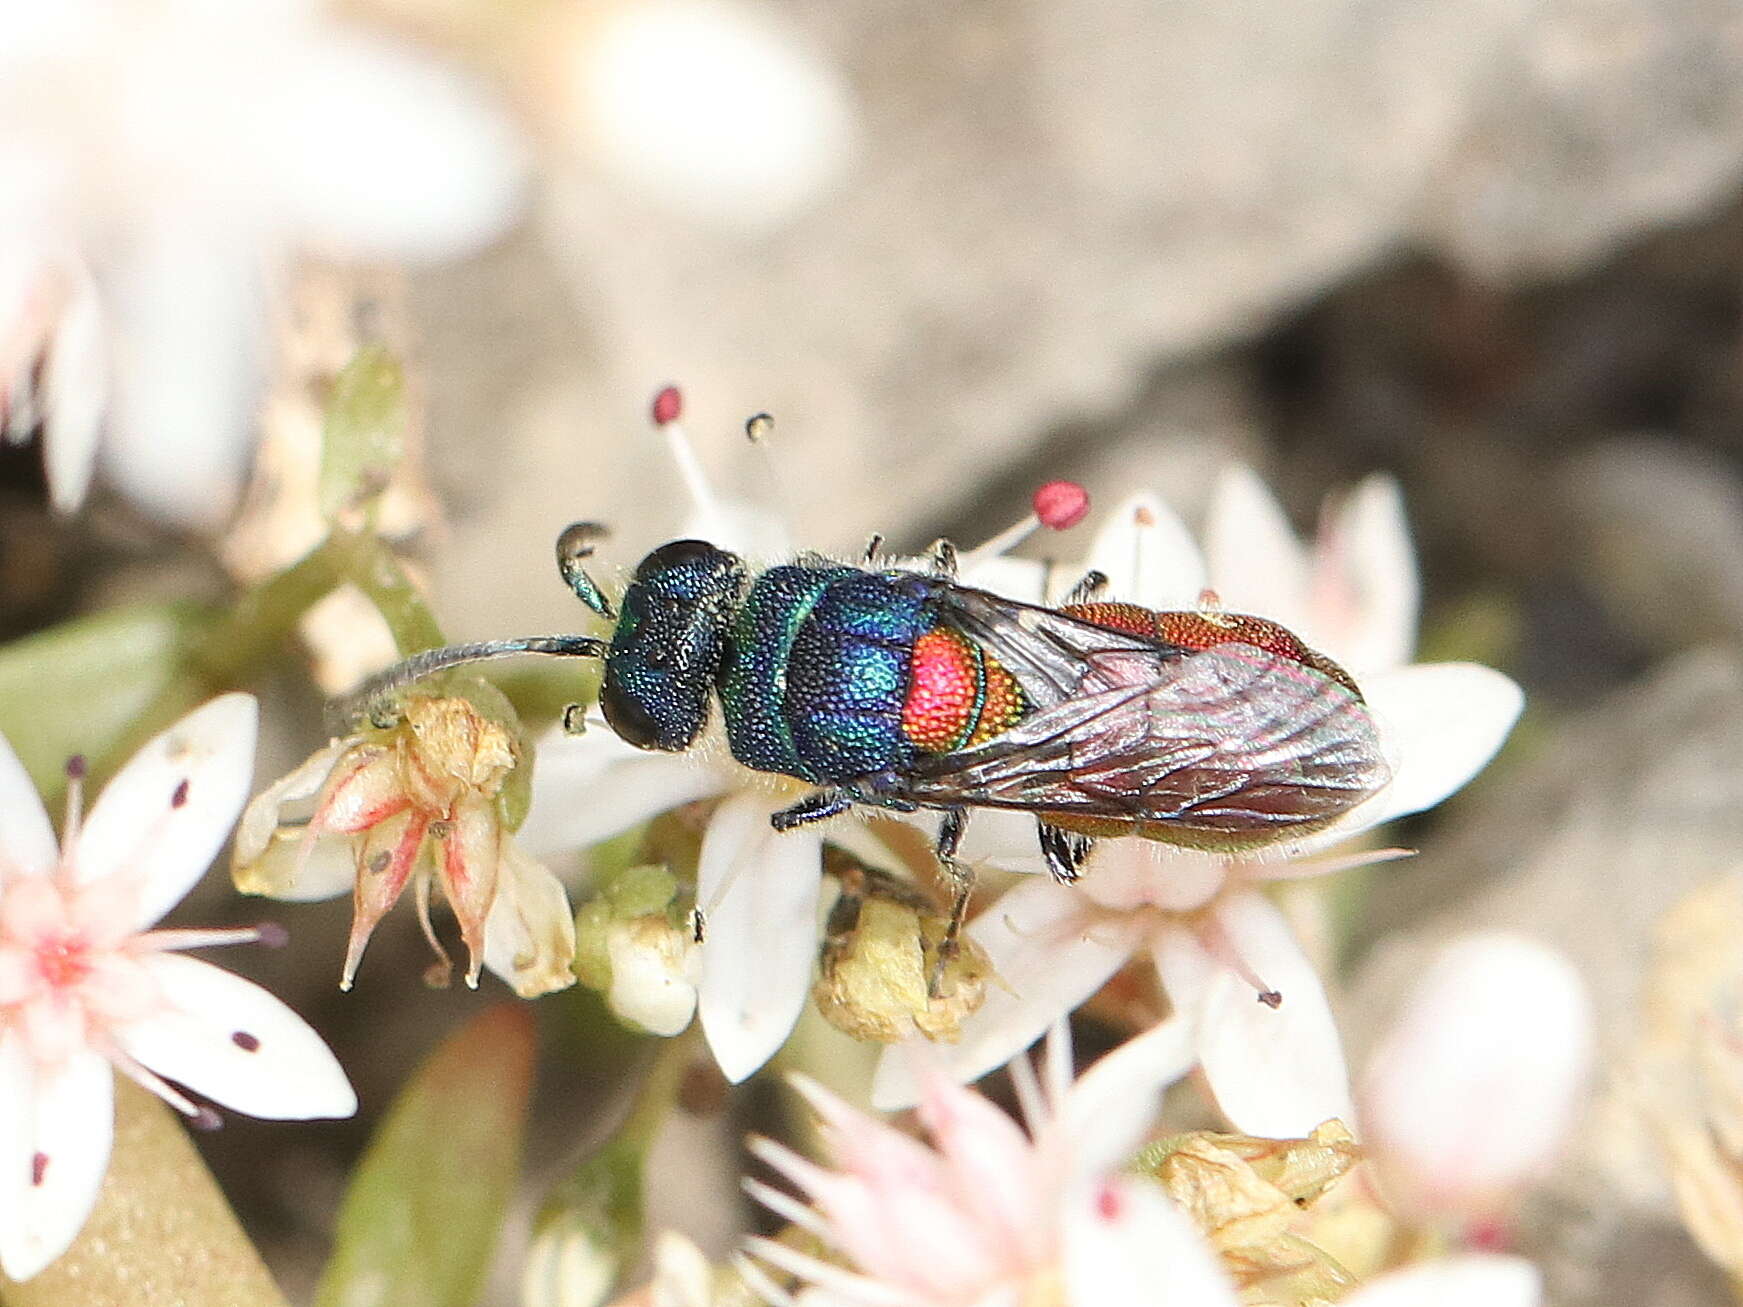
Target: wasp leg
[[1063, 851], [943, 560], [575, 719], [1090, 587], [819, 805], [872, 547], [961, 877]]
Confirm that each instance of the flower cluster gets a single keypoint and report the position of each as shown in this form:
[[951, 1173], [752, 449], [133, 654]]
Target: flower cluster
[[86, 984]]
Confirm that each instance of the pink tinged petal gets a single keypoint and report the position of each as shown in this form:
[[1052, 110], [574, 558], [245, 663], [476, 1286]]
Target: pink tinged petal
[[1126, 1243], [1108, 1112], [991, 1162], [1050, 952], [232, 1042], [1455, 1282], [759, 889], [529, 933], [1147, 555], [587, 788], [1365, 591], [1256, 563], [75, 390], [1479, 1079], [71, 1124], [158, 825], [1276, 1072], [1439, 724], [27, 844], [385, 864], [467, 858], [300, 867], [365, 788]]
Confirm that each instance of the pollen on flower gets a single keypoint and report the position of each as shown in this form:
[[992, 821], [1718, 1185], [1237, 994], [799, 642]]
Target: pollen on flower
[[1061, 505], [668, 405], [180, 797], [248, 1043], [38, 1169]]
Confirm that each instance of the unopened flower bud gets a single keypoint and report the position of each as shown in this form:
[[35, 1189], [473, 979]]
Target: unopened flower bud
[[631, 946], [881, 978]]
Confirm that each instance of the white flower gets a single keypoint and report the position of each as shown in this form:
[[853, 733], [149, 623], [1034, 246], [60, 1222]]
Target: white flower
[[709, 108], [1276, 1067], [1478, 1080], [759, 890], [990, 1214], [181, 150], [85, 985], [413, 803]]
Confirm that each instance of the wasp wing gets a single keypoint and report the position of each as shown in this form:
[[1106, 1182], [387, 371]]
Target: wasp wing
[[1232, 744]]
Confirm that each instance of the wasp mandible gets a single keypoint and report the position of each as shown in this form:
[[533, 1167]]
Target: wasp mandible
[[900, 688]]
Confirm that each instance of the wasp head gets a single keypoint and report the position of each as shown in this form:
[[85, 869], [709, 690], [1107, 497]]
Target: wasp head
[[667, 647]]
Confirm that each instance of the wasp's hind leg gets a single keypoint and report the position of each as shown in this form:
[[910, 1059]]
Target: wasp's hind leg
[[1064, 851], [1087, 590], [961, 878]]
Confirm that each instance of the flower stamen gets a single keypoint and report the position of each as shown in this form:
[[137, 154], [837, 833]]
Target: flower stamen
[[1057, 506]]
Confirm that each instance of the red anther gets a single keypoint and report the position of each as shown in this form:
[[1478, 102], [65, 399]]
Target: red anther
[[1061, 504], [668, 405], [1110, 1204]]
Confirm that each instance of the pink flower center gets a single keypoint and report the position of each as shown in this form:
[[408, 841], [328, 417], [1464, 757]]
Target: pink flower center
[[63, 959]]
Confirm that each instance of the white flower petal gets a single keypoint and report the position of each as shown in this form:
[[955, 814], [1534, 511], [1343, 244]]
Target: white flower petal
[[159, 823], [190, 313], [1439, 724], [587, 788], [1276, 1072], [231, 1041], [71, 1115], [760, 889], [1003, 838], [1049, 953], [27, 844], [376, 151], [1256, 563], [1022, 579], [75, 391], [1478, 1080], [529, 932], [1365, 589], [1147, 555], [1127, 1245], [711, 109], [1455, 1282], [1110, 1108], [265, 811]]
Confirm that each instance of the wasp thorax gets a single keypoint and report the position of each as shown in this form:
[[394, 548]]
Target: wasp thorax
[[668, 644]]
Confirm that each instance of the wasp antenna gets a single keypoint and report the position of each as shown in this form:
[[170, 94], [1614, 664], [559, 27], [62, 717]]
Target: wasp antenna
[[358, 703], [573, 546]]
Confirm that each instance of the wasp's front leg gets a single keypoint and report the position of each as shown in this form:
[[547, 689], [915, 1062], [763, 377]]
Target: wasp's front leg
[[819, 805]]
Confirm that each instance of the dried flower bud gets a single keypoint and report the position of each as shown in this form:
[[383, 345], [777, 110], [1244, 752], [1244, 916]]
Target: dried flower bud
[[877, 975]]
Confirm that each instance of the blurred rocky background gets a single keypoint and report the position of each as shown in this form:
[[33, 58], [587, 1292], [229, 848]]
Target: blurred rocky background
[[1492, 246]]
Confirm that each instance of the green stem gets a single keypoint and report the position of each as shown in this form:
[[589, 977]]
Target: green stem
[[372, 567]]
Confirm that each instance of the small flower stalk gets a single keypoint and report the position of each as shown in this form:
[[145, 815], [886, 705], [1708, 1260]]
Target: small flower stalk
[[421, 800], [87, 985]]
